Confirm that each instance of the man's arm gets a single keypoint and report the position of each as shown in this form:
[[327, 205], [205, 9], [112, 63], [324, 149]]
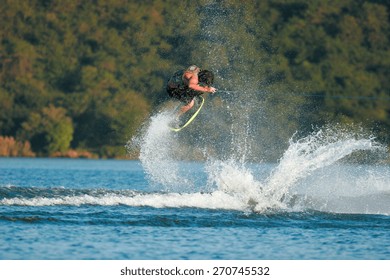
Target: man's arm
[[193, 84]]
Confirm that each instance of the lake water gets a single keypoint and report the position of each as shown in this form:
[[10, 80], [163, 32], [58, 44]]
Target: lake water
[[117, 209]]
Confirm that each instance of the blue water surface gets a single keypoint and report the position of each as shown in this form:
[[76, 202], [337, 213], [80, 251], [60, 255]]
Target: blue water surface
[[80, 209]]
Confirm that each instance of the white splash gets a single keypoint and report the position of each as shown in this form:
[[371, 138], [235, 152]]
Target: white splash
[[231, 184], [238, 181], [157, 149], [316, 151]]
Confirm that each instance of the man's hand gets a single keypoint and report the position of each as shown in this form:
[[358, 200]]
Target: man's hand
[[212, 89]]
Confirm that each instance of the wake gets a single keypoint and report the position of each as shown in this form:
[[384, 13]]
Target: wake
[[38, 197]]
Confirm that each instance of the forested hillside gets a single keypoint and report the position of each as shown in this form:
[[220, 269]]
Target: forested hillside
[[84, 75]]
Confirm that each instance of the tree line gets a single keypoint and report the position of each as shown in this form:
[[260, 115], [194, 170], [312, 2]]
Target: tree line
[[84, 75]]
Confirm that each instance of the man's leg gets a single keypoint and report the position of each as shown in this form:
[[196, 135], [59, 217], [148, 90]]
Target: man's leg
[[187, 107]]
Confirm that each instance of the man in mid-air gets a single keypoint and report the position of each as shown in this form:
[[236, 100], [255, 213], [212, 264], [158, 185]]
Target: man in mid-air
[[184, 85]]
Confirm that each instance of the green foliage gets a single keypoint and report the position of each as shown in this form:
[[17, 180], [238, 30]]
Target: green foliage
[[49, 130], [85, 74]]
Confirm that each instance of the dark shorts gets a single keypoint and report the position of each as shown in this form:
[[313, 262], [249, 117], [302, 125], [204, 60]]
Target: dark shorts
[[184, 95]]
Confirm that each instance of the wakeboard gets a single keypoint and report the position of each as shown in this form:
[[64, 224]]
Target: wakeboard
[[189, 116]]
